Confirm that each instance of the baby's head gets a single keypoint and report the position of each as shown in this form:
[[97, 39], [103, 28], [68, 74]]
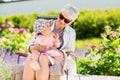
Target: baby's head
[[42, 26]]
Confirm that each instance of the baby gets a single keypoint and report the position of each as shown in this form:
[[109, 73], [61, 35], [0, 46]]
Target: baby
[[44, 36]]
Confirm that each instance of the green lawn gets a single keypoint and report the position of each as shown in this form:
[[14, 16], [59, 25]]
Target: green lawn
[[83, 42]]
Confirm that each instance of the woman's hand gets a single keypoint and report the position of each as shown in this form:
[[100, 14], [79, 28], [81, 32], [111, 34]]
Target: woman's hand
[[56, 36], [58, 58], [70, 53], [37, 47]]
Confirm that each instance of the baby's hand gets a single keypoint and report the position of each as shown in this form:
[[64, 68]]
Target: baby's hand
[[56, 36], [57, 41], [58, 58], [70, 53]]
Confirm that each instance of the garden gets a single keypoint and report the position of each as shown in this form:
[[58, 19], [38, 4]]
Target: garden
[[97, 43]]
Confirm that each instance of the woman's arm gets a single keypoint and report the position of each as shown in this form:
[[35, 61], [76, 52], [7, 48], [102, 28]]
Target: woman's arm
[[33, 46], [69, 41], [37, 47]]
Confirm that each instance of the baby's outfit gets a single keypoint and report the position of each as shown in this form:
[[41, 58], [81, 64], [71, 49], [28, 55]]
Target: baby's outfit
[[40, 39], [49, 45]]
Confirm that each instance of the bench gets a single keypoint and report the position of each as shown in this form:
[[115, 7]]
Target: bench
[[56, 71]]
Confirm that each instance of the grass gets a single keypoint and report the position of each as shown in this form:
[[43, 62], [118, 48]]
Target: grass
[[83, 42]]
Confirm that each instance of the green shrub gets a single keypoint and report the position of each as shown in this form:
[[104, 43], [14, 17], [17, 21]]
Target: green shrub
[[1, 20], [103, 57], [90, 23], [23, 21], [17, 39], [109, 64]]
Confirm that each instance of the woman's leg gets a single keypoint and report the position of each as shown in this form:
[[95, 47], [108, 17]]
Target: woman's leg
[[28, 73], [43, 73]]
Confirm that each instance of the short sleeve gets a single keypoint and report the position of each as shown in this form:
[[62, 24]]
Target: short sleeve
[[40, 40]]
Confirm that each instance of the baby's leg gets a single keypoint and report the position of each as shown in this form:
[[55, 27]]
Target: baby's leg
[[35, 55], [34, 63], [28, 70]]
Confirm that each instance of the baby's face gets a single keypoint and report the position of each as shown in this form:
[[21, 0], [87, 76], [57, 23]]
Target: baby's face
[[48, 28], [48, 23]]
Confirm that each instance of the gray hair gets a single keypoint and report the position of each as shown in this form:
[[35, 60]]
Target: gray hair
[[71, 10]]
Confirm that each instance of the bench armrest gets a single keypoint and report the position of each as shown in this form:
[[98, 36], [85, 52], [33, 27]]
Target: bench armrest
[[21, 54]]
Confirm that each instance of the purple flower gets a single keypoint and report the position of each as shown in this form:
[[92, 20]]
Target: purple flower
[[81, 51], [22, 59], [10, 58]]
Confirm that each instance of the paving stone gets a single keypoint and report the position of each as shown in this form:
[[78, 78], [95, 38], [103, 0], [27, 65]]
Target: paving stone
[[90, 77]]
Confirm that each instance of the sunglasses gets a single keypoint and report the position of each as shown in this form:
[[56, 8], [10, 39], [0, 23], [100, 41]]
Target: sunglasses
[[63, 18]]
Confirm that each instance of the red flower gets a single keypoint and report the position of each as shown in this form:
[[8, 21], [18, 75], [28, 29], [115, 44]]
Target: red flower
[[93, 45]]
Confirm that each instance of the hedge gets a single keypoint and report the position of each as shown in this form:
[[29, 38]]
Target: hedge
[[90, 23]]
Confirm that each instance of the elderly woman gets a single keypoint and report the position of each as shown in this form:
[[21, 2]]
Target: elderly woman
[[67, 38]]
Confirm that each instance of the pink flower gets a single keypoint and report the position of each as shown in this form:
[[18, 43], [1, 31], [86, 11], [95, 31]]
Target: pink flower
[[0, 29], [100, 47], [113, 33], [21, 30], [107, 27], [3, 25], [117, 50], [14, 30], [10, 24], [7, 25]]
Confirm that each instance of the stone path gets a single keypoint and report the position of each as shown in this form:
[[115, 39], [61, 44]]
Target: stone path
[[90, 77]]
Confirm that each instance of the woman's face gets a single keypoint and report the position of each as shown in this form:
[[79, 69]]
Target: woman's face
[[63, 20]]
